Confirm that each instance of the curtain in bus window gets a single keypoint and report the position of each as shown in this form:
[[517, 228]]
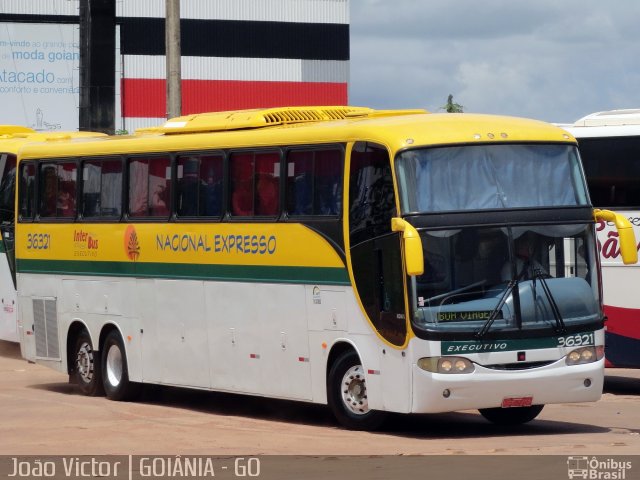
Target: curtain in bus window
[[267, 183], [91, 189], [159, 186], [241, 184], [102, 188], [66, 201], [111, 188], [492, 177], [138, 188]]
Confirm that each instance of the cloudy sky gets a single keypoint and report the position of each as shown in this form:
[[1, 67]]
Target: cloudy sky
[[553, 60]]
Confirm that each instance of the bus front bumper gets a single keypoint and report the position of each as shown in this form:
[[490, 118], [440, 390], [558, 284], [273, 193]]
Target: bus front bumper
[[488, 388]]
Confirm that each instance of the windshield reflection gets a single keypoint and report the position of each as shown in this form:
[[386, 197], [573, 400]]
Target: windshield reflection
[[508, 278]]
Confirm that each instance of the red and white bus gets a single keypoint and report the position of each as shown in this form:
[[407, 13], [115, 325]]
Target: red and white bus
[[609, 144]]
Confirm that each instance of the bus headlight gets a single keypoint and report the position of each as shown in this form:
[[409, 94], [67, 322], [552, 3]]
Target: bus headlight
[[583, 355], [446, 365]]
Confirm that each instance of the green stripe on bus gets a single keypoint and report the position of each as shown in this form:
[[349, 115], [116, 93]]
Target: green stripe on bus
[[237, 273], [481, 346]]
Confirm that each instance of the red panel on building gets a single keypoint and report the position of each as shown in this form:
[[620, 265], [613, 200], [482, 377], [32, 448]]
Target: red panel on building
[[146, 97]]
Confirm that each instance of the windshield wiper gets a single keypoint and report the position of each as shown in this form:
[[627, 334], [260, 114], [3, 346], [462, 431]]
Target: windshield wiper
[[560, 326], [494, 313]]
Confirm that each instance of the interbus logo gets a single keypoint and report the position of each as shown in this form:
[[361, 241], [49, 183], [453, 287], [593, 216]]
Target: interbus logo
[[131, 245]]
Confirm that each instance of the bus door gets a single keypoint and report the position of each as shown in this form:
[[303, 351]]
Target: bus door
[[376, 261], [8, 327]]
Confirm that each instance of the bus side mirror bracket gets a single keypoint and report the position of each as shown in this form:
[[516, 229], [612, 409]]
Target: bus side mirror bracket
[[413, 258], [628, 245]]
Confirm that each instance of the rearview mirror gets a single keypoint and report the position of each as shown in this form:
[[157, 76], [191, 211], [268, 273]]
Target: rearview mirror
[[413, 259], [628, 245]]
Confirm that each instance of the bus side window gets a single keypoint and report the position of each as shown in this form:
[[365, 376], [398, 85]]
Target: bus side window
[[7, 187], [27, 191], [372, 202], [612, 168], [314, 182], [149, 187], [255, 184], [199, 186], [102, 188]]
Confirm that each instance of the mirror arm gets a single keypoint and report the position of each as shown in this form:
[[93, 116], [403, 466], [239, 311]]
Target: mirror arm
[[628, 246]]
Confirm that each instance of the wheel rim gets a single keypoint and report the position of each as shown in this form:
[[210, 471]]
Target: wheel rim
[[354, 391], [84, 362], [114, 365]]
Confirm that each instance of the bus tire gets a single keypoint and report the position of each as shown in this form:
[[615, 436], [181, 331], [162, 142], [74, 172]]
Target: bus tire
[[87, 373], [511, 416], [115, 373], [347, 394]]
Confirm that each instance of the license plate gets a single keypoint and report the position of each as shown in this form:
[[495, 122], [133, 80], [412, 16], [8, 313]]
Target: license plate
[[510, 402]]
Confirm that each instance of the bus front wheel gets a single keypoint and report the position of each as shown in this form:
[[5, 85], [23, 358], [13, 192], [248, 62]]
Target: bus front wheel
[[511, 416], [347, 394], [115, 374], [86, 367]]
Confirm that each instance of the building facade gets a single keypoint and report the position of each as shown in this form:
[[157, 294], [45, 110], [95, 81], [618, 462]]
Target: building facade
[[236, 54]]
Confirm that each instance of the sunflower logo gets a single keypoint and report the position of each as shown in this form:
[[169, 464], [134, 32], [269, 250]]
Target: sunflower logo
[[131, 245]]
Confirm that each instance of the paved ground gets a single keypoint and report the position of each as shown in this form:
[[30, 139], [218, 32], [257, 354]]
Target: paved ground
[[40, 414]]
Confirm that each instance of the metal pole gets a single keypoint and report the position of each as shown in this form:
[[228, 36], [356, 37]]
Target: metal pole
[[172, 52]]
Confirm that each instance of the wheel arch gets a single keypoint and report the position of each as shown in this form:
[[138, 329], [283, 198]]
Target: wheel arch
[[337, 349], [367, 353], [335, 371], [73, 331], [106, 329]]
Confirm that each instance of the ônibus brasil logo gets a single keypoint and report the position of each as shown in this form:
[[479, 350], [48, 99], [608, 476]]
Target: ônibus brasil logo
[[597, 469]]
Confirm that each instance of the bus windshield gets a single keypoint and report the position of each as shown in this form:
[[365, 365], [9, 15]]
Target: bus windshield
[[482, 177], [481, 279]]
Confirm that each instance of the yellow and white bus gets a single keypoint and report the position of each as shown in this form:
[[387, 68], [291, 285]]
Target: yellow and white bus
[[12, 138], [376, 261]]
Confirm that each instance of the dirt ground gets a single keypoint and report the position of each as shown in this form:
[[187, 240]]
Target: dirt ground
[[41, 414]]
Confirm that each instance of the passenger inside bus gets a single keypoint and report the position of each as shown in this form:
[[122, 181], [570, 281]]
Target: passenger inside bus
[[188, 188], [527, 248], [66, 205], [210, 195]]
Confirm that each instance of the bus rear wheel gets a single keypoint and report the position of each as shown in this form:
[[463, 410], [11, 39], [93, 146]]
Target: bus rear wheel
[[347, 394], [115, 373], [86, 367], [511, 416]]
